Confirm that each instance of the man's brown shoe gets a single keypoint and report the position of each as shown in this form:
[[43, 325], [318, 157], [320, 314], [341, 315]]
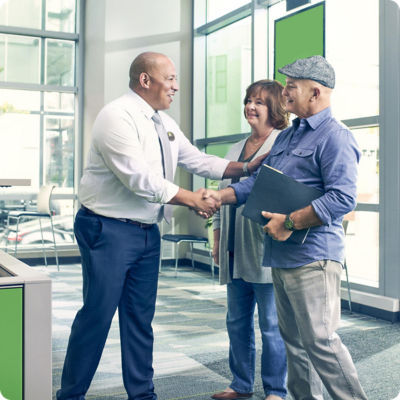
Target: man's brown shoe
[[230, 395]]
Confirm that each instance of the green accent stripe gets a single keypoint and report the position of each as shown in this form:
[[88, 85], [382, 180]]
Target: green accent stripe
[[11, 343]]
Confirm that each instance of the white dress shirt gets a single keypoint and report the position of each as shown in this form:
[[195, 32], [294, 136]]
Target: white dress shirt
[[124, 173]]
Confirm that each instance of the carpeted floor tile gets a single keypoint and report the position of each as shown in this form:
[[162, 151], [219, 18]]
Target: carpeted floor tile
[[191, 343]]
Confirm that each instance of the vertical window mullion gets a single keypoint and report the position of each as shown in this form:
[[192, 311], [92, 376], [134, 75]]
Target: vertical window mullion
[[42, 141]]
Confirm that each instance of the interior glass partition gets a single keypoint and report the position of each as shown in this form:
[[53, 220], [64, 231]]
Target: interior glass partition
[[228, 75]]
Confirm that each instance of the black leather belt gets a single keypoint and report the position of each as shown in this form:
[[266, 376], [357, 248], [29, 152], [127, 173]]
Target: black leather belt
[[126, 220]]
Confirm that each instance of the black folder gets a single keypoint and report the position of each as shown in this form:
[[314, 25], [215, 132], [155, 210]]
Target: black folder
[[276, 192]]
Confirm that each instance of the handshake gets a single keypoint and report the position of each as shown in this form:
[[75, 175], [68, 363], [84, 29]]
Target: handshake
[[206, 202]]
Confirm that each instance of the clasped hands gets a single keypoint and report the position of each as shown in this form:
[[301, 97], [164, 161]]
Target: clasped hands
[[207, 202]]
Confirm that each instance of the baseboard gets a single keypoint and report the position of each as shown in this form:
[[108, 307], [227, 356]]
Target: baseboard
[[372, 311], [382, 307]]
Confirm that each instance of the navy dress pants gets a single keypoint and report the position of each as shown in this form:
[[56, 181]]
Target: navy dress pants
[[120, 270]]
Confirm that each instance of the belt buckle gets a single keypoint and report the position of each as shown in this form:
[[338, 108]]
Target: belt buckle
[[142, 225]]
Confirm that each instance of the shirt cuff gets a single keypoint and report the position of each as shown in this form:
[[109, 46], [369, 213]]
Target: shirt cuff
[[170, 192], [321, 211], [217, 168], [240, 196]]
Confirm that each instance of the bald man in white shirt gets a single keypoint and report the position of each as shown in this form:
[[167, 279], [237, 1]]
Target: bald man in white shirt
[[123, 192]]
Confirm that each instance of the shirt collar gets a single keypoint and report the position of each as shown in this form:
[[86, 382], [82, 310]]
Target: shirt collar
[[315, 120], [144, 106]]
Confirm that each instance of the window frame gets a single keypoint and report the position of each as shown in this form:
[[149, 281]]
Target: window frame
[[77, 89]]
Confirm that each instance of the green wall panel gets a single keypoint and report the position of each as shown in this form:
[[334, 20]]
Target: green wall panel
[[11, 343], [299, 35]]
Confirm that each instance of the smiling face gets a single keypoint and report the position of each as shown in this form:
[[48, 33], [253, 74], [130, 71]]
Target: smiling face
[[298, 94], [160, 83], [256, 109]]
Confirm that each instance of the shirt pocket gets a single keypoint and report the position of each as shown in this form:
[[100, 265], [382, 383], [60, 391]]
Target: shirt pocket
[[275, 159], [303, 152], [276, 151], [304, 165]]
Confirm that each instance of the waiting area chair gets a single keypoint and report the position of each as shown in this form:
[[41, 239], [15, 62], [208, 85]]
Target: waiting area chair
[[177, 239], [43, 211]]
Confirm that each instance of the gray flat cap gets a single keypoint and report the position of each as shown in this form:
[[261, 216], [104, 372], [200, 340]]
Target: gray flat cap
[[315, 68]]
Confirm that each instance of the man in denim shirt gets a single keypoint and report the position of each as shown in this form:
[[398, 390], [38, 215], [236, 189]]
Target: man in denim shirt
[[318, 151]]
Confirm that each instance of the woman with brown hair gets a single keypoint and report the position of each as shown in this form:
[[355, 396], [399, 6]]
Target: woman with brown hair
[[238, 250]]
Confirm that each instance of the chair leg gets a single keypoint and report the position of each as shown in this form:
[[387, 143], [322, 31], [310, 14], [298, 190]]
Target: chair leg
[[43, 250], [348, 286], [212, 264], [176, 246], [55, 244], [191, 253], [16, 237], [6, 234]]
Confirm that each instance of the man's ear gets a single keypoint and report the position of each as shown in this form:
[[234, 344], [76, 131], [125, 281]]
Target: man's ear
[[316, 92], [144, 80]]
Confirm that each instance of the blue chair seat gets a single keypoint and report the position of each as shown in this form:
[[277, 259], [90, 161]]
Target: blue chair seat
[[184, 238], [177, 239]]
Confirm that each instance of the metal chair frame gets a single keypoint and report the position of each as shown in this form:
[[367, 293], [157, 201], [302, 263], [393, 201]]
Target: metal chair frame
[[191, 239], [43, 211], [345, 225]]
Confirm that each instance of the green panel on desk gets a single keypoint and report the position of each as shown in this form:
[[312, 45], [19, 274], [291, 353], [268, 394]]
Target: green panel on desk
[[11, 341]]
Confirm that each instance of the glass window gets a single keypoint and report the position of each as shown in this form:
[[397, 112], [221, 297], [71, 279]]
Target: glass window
[[60, 15], [19, 101], [60, 62], [362, 248], [37, 126], [352, 46], [59, 151], [368, 175], [55, 101], [228, 75], [22, 13], [20, 157], [217, 8], [219, 150], [20, 59]]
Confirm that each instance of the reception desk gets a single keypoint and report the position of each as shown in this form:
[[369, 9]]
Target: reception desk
[[25, 331], [15, 182]]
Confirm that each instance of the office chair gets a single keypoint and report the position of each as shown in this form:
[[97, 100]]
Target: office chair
[[43, 211], [200, 235], [345, 225]]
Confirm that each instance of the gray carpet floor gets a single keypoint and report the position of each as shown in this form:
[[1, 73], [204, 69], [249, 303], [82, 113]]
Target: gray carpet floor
[[191, 343]]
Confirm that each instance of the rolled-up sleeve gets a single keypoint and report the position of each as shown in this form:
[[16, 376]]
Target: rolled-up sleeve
[[339, 157], [200, 163], [243, 188]]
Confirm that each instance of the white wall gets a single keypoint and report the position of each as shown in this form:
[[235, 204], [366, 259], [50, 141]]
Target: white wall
[[116, 32]]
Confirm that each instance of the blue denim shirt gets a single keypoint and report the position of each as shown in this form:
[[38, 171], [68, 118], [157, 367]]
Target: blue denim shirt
[[318, 151]]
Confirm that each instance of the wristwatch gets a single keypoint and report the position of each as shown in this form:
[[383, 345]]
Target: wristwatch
[[289, 224], [245, 169]]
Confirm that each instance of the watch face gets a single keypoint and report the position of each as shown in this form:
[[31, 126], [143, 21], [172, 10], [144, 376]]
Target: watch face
[[289, 223]]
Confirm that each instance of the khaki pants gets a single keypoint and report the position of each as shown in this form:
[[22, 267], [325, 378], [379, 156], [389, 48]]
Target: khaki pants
[[308, 306]]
